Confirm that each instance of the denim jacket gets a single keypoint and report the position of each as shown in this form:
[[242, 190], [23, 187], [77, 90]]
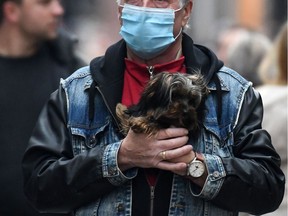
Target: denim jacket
[[70, 164], [214, 141]]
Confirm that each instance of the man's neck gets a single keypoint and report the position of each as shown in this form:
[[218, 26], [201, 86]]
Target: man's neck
[[12, 44]]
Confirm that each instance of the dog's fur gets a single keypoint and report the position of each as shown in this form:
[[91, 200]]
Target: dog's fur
[[168, 100]]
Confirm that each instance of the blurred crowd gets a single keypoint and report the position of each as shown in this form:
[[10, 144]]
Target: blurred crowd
[[97, 26], [271, 71], [260, 58], [95, 22]]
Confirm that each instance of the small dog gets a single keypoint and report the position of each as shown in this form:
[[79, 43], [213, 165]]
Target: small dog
[[168, 100]]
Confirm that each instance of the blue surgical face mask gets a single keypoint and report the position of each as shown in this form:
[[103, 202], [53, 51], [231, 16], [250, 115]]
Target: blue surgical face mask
[[148, 32]]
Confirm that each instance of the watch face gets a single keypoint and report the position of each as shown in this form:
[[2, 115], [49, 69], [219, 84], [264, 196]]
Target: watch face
[[196, 169]]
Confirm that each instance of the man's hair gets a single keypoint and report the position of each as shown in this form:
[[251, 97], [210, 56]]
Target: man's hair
[[183, 2], [1, 7]]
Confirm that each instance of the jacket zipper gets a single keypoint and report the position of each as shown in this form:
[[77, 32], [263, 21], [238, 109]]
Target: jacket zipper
[[152, 195], [152, 185], [150, 71]]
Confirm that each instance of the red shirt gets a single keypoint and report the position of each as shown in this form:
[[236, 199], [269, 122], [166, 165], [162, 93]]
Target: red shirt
[[137, 75]]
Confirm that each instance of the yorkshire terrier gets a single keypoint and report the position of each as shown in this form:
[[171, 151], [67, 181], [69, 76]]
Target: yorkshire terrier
[[168, 100]]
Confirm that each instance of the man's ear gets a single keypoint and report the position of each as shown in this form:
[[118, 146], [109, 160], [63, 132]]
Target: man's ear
[[188, 10], [11, 11]]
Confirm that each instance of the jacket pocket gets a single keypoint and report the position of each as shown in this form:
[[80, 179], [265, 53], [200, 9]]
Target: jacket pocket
[[219, 140], [84, 139]]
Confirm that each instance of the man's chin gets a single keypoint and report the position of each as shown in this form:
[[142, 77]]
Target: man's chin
[[51, 36], [54, 34]]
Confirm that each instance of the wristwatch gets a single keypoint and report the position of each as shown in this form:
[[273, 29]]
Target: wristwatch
[[196, 168]]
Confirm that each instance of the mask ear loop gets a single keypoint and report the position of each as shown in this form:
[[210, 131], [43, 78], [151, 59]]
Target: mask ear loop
[[178, 9], [178, 33], [181, 27]]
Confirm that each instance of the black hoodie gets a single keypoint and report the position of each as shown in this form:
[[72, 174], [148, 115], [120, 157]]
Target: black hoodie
[[109, 74]]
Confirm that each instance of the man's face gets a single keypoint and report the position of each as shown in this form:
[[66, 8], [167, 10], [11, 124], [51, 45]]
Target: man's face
[[40, 19], [181, 17]]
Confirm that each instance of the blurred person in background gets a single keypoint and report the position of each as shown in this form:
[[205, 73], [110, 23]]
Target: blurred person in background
[[96, 25], [34, 55], [226, 38], [79, 161], [243, 49], [274, 93]]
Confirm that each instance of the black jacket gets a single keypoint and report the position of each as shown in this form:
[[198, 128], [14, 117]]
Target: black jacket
[[49, 174]]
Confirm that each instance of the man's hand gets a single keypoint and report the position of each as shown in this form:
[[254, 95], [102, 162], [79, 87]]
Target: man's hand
[[140, 150]]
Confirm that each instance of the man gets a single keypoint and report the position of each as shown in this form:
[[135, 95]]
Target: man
[[78, 161], [33, 58]]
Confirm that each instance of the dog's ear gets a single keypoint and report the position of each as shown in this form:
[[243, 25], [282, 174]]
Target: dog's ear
[[123, 117], [120, 110], [198, 89]]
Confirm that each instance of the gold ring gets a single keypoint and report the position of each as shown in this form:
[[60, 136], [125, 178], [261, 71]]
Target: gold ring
[[163, 155]]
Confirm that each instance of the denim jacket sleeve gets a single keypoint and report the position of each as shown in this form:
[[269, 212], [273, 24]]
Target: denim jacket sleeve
[[54, 179], [110, 167], [250, 181], [215, 178]]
